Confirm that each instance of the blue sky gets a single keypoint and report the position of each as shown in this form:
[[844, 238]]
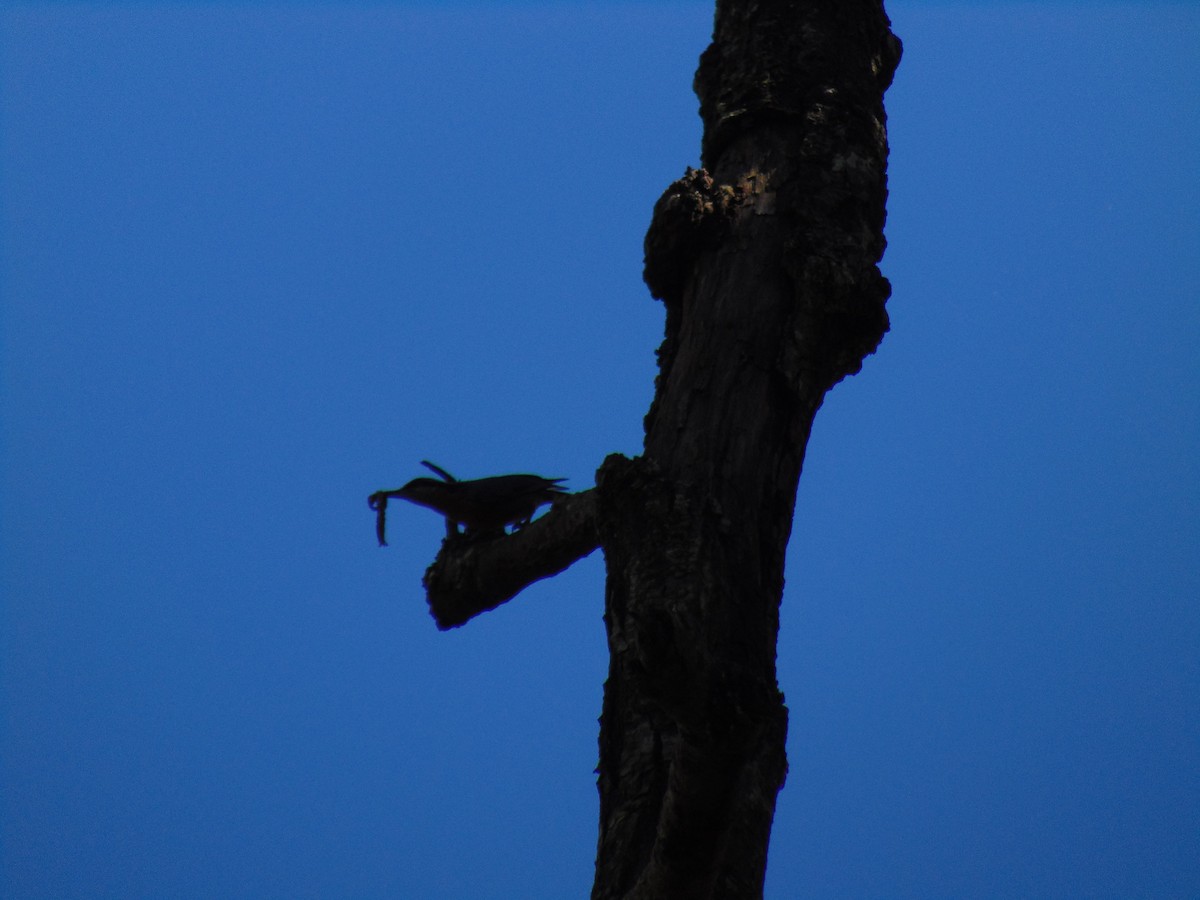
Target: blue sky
[[256, 263]]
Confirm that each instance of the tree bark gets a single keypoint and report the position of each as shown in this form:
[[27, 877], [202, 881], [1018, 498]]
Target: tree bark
[[766, 263]]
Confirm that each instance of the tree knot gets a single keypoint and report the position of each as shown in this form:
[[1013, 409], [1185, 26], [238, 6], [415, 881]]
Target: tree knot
[[691, 216]]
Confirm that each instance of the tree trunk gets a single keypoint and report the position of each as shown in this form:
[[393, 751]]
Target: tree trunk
[[766, 263]]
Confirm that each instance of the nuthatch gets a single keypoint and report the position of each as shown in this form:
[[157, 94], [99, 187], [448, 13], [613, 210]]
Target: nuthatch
[[483, 505]]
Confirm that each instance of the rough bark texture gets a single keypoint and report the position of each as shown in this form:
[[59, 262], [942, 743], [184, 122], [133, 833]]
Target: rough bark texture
[[766, 262]]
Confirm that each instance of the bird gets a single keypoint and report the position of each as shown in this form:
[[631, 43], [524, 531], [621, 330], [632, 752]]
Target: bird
[[482, 506]]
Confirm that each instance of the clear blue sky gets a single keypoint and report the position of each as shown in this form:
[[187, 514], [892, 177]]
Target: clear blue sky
[[257, 263]]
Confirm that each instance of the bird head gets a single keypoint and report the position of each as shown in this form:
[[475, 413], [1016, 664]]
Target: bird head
[[428, 492]]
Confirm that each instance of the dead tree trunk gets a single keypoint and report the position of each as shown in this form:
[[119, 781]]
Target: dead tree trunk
[[766, 263]]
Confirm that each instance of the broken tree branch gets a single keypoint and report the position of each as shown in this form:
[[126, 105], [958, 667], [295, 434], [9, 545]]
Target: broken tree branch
[[469, 577]]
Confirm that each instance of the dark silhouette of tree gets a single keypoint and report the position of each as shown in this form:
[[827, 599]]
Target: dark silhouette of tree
[[765, 260]]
